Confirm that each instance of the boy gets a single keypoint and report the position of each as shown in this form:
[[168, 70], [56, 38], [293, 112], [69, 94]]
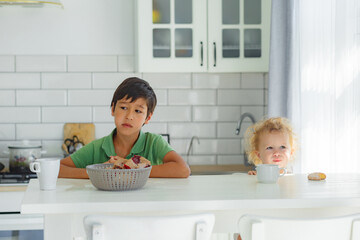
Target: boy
[[132, 106]]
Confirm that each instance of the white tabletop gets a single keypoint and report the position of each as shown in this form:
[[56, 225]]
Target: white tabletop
[[215, 192], [227, 196]]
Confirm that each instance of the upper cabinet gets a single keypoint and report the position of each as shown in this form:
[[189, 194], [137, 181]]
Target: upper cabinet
[[202, 35]]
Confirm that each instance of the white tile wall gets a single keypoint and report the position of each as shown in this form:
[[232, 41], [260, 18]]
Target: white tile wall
[[187, 130], [92, 63], [66, 80], [7, 131], [172, 114], [90, 97], [156, 127], [216, 81], [161, 96], [40, 131], [66, 114], [240, 97], [103, 129], [110, 80], [253, 80], [19, 80], [7, 63], [20, 114], [219, 113], [257, 111], [40, 97], [38, 94], [227, 130], [7, 98], [102, 114], [169, 80], [40, 63], [192, 97], [126, 64]]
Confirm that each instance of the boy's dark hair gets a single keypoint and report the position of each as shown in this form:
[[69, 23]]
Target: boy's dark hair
[[134, 88]]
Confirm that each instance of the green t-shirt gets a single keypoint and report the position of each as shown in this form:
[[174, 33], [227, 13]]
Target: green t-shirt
[[149, 145]]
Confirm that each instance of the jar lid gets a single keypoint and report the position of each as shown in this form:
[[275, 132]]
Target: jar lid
[[24, 145]]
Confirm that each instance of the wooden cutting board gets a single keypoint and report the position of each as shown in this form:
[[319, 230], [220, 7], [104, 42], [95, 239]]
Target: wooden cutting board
[[84, 131]]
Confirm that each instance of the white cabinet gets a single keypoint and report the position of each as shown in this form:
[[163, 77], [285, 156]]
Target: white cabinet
[[238, 35], [171, 36], [202, 35]]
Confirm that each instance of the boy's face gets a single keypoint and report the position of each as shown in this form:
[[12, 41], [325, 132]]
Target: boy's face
[[130, 116], [274, 148]]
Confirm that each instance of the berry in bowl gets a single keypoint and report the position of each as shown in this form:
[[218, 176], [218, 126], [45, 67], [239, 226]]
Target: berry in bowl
[[124, 174]]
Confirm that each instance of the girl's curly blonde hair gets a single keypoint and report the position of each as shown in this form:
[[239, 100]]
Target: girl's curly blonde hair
[[253, 134]]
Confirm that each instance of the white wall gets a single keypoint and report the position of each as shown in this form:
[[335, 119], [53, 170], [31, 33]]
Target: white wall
[[60, 66], [82, 27]]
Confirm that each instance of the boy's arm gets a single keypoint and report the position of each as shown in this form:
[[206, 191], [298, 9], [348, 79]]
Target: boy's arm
[[69, 170], [173, 166]]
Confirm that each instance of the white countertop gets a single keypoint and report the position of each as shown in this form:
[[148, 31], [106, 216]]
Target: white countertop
[[11, 196], [227, 196], [215, 192]]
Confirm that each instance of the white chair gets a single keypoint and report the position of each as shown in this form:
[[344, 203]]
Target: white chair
[[182, 227], [254, 227]]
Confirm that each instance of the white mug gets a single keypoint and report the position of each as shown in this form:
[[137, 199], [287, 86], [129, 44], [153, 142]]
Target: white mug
[[269, 173], [47, 170]]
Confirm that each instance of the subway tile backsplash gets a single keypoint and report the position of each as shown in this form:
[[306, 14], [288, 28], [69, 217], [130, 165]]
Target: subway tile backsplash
[[38, 94], [19, 80], [7, 63], [92, 63], [40, 63]]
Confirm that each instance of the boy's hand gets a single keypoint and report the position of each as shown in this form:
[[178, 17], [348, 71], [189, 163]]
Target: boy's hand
[[252, 172]]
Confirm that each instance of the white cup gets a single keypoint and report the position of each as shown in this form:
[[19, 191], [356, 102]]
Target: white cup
[[47, 170], [269, 173]]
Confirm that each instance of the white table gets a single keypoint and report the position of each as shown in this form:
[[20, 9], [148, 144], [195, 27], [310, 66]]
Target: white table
[[228, 196]]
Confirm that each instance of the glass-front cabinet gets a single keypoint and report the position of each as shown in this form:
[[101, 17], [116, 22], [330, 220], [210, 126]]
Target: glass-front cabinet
[[203, 35], [171, 35], [238, 35]]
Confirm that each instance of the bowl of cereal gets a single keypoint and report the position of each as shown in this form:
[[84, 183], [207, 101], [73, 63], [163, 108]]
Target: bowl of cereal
[[124, 174]]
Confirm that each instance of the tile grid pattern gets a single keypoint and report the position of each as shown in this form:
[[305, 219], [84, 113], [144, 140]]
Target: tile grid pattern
[[38, 94]]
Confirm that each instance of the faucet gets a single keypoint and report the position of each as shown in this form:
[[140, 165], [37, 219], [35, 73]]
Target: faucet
[[242, 117], [191, 143], [237, 131]]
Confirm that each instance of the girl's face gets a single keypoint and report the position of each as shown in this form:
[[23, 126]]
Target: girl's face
[[130, 116], [274, 148]]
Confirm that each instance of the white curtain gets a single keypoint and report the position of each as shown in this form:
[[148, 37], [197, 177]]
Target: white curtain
[[323, 82]]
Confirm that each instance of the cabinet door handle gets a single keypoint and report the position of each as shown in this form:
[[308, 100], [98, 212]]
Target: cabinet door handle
[[201, 54], [214, 54]]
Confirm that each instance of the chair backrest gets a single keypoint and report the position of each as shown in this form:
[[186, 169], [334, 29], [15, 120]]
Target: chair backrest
[[182, 227], [255, 227]]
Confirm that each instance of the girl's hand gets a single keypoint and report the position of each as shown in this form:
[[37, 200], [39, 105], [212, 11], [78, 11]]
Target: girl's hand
[[252, 172]]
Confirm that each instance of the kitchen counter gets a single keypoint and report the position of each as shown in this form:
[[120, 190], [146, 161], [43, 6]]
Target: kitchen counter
[[227, 196], [11, 197], [219, 169]]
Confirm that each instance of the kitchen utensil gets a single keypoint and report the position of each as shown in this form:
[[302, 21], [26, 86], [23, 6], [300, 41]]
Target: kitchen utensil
[[15, 178], [72, 145], [65, 149], [103, 177], [22, 154], [47, 170], [85, 132], [2, 166]]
